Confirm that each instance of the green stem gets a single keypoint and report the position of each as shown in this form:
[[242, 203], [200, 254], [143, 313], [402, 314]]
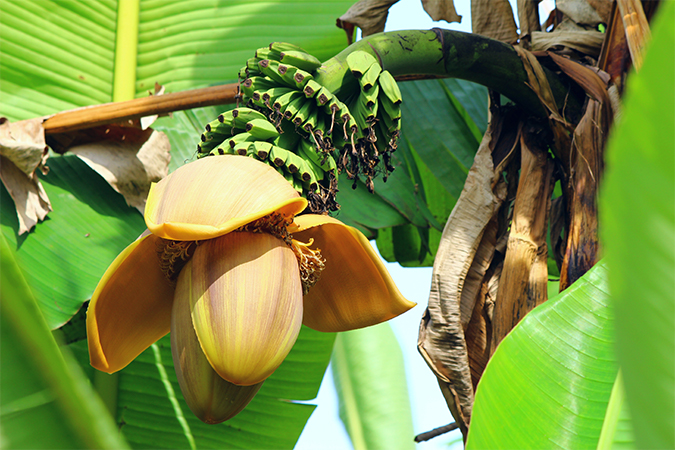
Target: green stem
[[450, 54], [106, 385]]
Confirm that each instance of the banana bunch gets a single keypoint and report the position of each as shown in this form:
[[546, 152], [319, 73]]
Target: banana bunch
[[248, 132], [305, 131], [376, 108]]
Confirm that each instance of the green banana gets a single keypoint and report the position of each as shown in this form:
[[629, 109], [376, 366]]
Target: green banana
[[318, 171], [323, 96], [389, 87], [294, 163], [297, 183], [256, 84], [216, 127], [251, 67], [294, 106], [383, 138], [389, 124], [303, 113], [239, 138], [241, 148], [368, 80], [270, 95], [311, 88], [311, 121], [262, 149], [222, 150], [308, 176], [282, 102], [207, 146], [324, 160], [359, 62], [288, 74], [242, 116], [290, 178], [302, 170], [261, 129], [390, 109], [361, 112], [332, 108], [280, 78], [370, 97], [285, 46], [288, 138], [301, 78], [270, 69], [268, 53], [278, 155], [300, 59]]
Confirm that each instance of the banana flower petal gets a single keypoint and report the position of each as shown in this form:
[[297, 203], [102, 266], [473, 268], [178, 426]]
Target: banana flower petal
[[246, 302], [355, 289], [130, 308], [213, 196], [210, 398]]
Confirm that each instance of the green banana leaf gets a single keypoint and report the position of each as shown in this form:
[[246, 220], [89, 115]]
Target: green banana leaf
[[638, 219], [617, 428], [549, 382], [370, 380], [39, 385]]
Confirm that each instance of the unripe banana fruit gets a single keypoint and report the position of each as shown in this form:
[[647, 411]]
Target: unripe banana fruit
[[302, 129]]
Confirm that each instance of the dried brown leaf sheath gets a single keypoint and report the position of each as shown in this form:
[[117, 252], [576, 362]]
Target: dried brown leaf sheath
[[441, 339]]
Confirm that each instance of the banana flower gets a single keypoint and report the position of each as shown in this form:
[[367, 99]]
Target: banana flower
[[228, 268]]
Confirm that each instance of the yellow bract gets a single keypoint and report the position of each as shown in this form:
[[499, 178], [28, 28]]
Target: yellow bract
[[246, 308], [213, 196], [209, 396], [236, 307]]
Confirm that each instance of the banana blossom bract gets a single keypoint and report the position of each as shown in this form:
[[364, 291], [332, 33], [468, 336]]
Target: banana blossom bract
[[231, 296]]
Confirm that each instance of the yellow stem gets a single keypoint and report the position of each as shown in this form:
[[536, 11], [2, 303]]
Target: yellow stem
[[126, 48]]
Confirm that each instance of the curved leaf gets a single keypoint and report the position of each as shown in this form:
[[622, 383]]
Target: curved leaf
[[551, 377], [370, 380], [39, 385], [638, 219], [617, 431]]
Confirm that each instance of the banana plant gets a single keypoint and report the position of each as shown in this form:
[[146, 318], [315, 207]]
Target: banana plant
[[470, 58]]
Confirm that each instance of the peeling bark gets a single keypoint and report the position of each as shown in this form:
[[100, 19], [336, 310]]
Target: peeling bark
[[582, 248], [464, 255], [525, 274]]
